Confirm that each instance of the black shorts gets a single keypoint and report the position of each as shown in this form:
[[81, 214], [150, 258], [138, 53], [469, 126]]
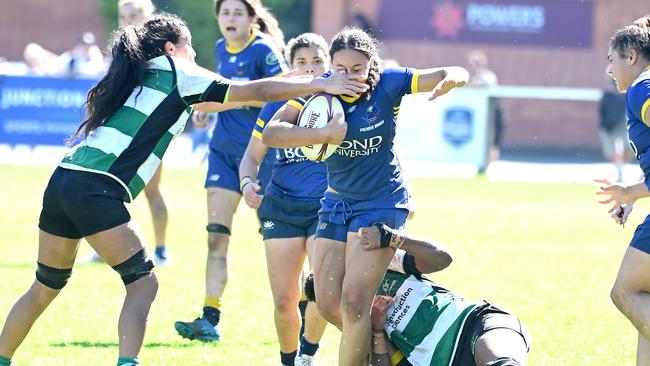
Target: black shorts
[[485, 318], [488, 317], [78, 204]]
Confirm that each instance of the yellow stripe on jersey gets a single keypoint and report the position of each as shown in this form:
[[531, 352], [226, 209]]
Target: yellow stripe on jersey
[[644, 109], [295, 104], [349, 99], [414, 83], [227, 96], [257, 134], [396, 358], [249, 41], [260, 122]]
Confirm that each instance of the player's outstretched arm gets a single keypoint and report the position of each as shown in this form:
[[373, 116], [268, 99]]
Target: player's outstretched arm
[[273, 89], [282, 130], [429, 256], [441, 80]]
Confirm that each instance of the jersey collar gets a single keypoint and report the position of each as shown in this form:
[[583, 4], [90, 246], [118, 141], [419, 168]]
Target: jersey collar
[[238, 50], [349, 99]]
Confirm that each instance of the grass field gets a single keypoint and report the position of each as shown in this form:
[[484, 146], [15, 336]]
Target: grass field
[[546, 252]]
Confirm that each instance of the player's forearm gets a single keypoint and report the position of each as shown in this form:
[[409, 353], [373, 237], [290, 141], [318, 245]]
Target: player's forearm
[[429, 78], [636, 191], [253, 156], [214, 107], [429, 256], [284, 134], [273, 89], [248, 168], [379, 356]]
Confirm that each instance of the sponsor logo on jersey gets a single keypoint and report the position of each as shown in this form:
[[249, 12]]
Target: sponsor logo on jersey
[[214, 177], [362, 147], [271, 59], [370, 128], [372, 112], [458, 126], [268, 225], [388, 286], [323, 226], [401, 308], [232, 59], [294, 155], [352, 109]]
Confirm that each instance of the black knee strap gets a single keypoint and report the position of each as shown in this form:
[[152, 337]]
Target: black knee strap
[[504, 361], [53, 278], [309, 288], [218, 228], [134, 268]]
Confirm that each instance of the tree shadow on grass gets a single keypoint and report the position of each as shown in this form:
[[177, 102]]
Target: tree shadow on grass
[[87, 344]]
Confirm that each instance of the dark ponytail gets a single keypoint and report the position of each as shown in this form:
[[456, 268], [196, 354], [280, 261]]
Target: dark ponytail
[[358, 40], [266, 22], [131, 49]]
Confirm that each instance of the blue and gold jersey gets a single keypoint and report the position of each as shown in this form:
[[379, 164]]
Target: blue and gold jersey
[[365, 167], [638, 127], [258, 59], [293, 174]]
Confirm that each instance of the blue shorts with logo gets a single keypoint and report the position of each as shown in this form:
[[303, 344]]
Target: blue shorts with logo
[[223, 171], [282, 216], [339, 216], [641, 238]]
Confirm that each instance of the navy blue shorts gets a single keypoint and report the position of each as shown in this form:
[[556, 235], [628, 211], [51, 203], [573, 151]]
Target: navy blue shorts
[[283, 216], [78, 204], [223, 171], [641, 238], [338, 217]]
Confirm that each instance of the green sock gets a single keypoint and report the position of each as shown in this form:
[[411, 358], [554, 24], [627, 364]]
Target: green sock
[[4, 361], [127, 361]]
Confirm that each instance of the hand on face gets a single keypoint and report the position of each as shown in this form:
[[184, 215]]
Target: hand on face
[[342, 84]]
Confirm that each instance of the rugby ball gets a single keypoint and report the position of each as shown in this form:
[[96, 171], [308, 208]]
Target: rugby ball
[[316, 113]]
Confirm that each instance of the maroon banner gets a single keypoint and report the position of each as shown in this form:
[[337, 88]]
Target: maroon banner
[[556, 23]]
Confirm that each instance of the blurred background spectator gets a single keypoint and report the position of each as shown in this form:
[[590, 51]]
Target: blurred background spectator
[[481, 76]]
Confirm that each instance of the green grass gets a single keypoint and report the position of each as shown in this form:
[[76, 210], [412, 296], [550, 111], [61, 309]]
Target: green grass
[[546, 252]]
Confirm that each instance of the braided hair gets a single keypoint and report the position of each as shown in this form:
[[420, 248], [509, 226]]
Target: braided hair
[[358, 40]]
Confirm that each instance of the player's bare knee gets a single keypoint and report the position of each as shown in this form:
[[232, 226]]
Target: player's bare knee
[[285, 303], [353, 304], [619, 296], [329, 309]]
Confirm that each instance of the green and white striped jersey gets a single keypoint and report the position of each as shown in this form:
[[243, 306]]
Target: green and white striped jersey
[[425, 322], [129, 146]]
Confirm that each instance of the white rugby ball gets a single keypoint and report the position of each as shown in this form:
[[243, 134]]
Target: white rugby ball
[[316, 113]]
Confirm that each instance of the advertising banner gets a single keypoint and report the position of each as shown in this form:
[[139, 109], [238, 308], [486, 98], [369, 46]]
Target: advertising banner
[[451, 129], [545, 23], [40, 110]]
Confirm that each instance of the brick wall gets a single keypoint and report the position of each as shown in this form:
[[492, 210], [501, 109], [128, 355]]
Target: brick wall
[[530, 124], [57, 25]]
